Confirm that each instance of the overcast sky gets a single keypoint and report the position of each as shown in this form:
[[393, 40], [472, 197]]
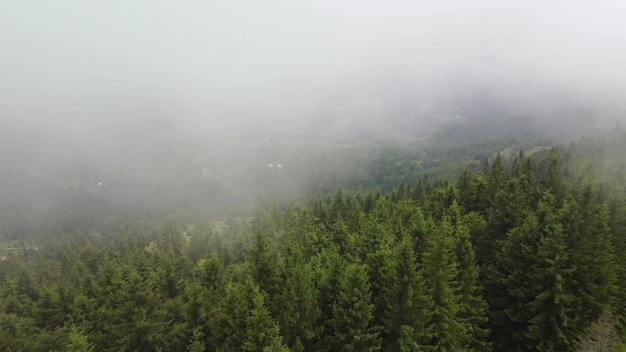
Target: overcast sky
[[78, 64]]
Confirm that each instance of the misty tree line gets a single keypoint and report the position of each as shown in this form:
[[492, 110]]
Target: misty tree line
[[523, 255]]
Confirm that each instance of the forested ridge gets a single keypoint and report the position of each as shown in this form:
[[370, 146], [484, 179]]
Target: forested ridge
[[526, 253]]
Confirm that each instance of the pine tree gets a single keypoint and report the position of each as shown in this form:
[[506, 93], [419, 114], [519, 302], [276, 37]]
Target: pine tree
[[198, 304], [592, 253], [171, 239], [496, 177], [78, 342], [472, 192], [422, 190], [261, 330], [299, 312], [53, 306], [210, 271], [196, 342], [262, 260], [243, 322], [441, 199], [618, 228], [510, 287], [353, 312], [441, 272], [228, 324], [375, 250], [472, 306], [551, 174], [198, 243], [408, 305], [551, 309], [327, 266], [533, 308]]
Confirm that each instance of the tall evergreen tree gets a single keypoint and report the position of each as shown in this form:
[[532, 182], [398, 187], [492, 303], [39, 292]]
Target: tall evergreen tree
[[262, 332], [533, 308], [327, 267], [243, 322], [408, 305], [510, 289], [262, 260], [299, 312], [441, 272], [353, 313], [472, 306], [78, 342], [549, 326], [472, 192], [590, 243], [375, 250]]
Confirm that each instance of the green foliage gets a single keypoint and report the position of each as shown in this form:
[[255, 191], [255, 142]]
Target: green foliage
[[262, 260], [299, 312], [353, 312], [78, 342], [441, 272], [524, 255], [242, 321], [408, 306], [472, 305], [196, 342], [549, 327]]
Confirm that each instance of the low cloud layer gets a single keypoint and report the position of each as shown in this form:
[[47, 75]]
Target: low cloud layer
[[218, 64], [136, 92]]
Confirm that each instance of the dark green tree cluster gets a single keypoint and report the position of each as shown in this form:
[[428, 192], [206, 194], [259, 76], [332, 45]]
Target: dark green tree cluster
[[522, 256]]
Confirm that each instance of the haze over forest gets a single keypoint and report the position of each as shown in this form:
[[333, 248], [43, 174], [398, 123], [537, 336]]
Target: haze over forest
[[141, 95], [308, 176]]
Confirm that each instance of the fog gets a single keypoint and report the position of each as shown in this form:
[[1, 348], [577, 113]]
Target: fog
[[225, 88], [240, 62]]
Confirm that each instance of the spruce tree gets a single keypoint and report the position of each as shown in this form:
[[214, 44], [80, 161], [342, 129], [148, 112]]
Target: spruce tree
[[298, 314], [353, 313], [327, 268], [472, 306], [592, 253], [376, 250], [262, 261], [242, 322], [510, 287], [408, 305], [262, 331], [472, 192], [549, 325], [78, 342], [441, 272]]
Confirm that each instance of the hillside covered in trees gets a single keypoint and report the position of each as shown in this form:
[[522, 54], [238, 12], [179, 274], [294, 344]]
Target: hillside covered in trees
[[524, 253]]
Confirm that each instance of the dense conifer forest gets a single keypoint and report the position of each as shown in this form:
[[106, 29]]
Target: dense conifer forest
[[526, 252], [312, 176]]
